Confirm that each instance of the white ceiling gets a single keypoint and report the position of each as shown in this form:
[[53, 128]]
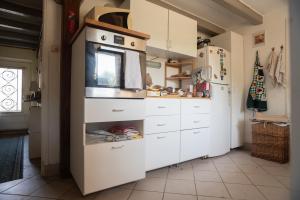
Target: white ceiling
[[213, 12]]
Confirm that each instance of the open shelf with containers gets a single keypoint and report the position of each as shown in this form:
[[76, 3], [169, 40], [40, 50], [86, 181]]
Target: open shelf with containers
[[172, 69]]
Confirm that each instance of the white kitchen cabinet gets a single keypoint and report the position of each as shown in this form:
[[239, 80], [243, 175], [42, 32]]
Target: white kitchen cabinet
[[192, 121], [194, 144], [162, 149], [233, 42], [114, 109], [159, 106], [195, 106], [151, 19], [169, 31], [182, 34], [110, 164], [160, 124]]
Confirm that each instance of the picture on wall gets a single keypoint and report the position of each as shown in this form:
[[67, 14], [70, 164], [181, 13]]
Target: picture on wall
[[259, 38]]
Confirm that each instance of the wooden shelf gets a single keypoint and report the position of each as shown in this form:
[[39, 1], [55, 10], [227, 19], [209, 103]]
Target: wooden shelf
[[178, 65], [179, 78]]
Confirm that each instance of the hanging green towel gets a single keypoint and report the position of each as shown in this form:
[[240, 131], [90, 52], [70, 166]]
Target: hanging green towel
[[257, 98]]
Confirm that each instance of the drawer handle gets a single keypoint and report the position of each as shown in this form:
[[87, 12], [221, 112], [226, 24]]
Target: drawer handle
[[196, 133], [161, 107], [160, 137], [196, 106], [117, 110], [119, 147], [196, 122], [160, 124]]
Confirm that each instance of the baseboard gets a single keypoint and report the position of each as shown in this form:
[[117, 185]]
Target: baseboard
[[50, 170], [14, 132]]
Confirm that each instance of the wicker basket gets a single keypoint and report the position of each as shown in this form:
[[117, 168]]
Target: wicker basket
[[270, 141]]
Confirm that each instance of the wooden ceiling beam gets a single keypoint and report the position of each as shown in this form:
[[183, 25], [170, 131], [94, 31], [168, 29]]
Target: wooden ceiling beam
[[18, 27], [16, 44], [12, 36], [239, 8]]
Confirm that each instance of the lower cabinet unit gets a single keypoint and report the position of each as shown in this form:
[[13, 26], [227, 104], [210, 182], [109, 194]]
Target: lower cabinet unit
[[194, 144], [110, 164], [162, 149]]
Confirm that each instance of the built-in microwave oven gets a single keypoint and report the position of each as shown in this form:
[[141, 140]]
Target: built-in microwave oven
[[105, 63]]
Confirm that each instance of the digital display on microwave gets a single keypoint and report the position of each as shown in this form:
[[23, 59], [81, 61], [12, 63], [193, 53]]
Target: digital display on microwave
[[118, 39]]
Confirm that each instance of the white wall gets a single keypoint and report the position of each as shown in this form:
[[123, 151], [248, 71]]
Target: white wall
[[275, 27], [50, 76], [26, 59]]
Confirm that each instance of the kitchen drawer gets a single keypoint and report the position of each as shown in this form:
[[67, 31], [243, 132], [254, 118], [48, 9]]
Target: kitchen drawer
[[161, 106], [192, 121], [162, 149], [194, 144], [158, 124], [110, 164], [106, 110], [194, 106]]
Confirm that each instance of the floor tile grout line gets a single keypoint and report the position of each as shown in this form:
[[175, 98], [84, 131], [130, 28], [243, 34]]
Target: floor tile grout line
[[250, 181], [195, 184], [166, 183], [222, 180]]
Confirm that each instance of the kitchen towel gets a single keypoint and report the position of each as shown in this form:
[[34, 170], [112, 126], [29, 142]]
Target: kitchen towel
[[271, 66], [257, 98], [280, 70], [133, 76]]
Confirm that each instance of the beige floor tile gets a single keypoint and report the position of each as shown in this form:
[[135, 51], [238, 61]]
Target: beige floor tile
[[265, 180], [151, 184], [246, 192], [168, 196], [273, 193], [13, 197], [243, 161], [53, 189], [31, 171], [211, 189], [252, 169], [180, 187], [27, 187], [145, 195], [128, 186], [204, 165], [227, 167], [7, 185], [181, 173], [113, 194], [277, 171], [158, 173], [222, 159], [212, 176], [233, 177], [266, 163], [210, 198], [74, 194], [286, 181], [38, 198]]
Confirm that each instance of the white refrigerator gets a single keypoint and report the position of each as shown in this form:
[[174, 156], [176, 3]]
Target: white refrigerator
[[215, 65]]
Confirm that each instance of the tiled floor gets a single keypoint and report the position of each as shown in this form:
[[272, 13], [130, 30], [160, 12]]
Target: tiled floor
[[236, 175]]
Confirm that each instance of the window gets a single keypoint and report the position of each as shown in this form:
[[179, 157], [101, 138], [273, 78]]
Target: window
[[10, 89]]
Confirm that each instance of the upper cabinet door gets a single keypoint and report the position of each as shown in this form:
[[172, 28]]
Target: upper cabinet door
[[182, 34], [151, 19]]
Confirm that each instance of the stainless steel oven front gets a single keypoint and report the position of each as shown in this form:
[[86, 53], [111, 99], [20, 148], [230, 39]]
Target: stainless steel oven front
[[105, 57]]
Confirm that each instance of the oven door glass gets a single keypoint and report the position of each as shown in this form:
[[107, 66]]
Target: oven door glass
[[108, 69], [104, 66]]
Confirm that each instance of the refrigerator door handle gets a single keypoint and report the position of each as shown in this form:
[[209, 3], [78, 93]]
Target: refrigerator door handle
[[209, 70]]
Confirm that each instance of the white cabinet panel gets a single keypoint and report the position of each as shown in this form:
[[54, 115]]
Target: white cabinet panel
[[182, 34], [192, 121], [106, 110], [162, 149], [194, 106], [158, 124], [110, 164], [194, 144], [159, 106], [151, 19]]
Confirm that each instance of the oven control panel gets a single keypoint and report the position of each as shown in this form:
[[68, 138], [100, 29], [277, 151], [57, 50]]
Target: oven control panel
[[115, 39]]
